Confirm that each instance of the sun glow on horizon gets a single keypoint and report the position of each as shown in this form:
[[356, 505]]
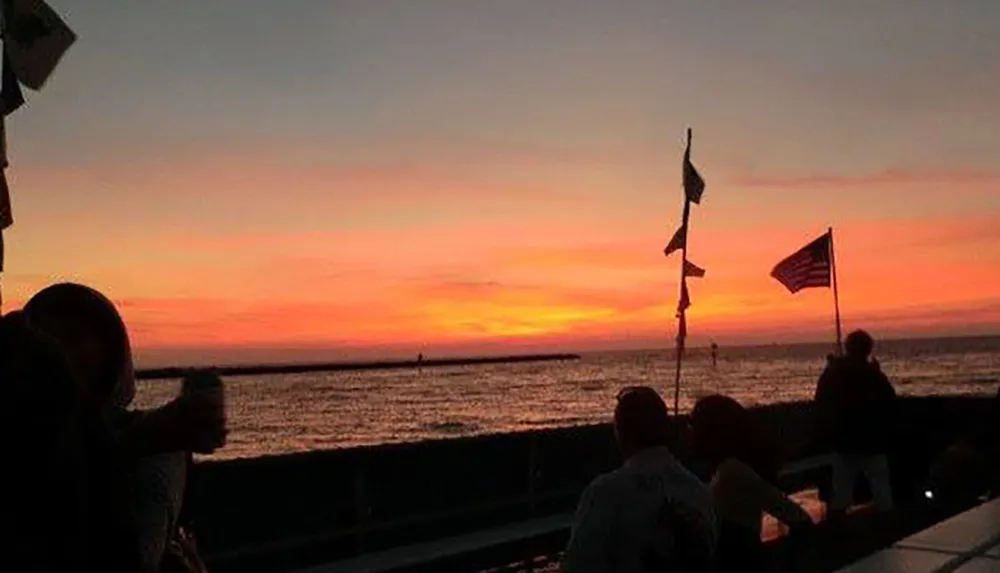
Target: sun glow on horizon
[[376, 176]]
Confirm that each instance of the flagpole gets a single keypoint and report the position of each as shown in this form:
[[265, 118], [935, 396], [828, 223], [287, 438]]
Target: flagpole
[[682, 319], [836, 294]]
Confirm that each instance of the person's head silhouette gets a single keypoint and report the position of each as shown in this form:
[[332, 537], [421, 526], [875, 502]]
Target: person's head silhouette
[[640, 420], [859, 345], [93, 336]]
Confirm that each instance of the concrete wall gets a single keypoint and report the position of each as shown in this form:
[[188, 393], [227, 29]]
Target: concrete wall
[[334, 504]]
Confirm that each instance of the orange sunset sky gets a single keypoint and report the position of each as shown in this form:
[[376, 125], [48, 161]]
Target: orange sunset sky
[[364, 178]]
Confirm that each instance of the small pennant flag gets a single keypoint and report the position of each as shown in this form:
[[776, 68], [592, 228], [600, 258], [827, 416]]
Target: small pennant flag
[[693, 270], [808, 267], [685, 301], [36, 38], [677, 241], [694, 185]]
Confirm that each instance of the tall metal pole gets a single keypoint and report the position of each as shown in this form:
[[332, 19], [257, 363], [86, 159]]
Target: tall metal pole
[[682, 320], [836, 294]]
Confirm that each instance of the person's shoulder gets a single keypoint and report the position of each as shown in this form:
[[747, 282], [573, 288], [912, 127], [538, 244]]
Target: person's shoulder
[[733, 468], [733, 475], [603, 486]]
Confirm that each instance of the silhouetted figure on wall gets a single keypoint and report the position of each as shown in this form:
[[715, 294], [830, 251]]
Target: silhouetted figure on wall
[[151, 446], [649, 515], [715, 355], [62, 509], [855, 408], [742, 464]]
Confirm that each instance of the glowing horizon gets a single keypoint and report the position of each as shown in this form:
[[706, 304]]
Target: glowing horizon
[[367, 182]]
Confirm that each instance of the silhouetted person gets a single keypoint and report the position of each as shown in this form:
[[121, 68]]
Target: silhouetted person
[[651, 514], [855, 408], [715, 354], [151, 446], [61, 504], [742, 464]]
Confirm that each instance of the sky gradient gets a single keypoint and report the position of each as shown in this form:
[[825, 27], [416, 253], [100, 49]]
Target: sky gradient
[[380, 177]]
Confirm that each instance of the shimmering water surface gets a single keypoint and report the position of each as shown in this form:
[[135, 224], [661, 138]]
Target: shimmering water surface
[[285, 413]]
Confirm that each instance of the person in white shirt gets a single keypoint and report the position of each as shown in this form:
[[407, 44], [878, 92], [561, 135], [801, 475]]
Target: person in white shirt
[[651, 514]]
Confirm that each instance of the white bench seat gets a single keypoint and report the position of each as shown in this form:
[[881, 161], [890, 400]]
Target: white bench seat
[[896, 560], [980, 565], [974, 531], [966, 543]]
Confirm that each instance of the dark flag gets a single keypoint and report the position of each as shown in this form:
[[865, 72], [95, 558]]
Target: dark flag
[[808, 267], [685, 300], [694, 185], [677, 241], [35, 38], [693, 270]]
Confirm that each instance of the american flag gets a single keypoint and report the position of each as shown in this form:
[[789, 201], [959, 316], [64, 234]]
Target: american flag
[[807, 267]]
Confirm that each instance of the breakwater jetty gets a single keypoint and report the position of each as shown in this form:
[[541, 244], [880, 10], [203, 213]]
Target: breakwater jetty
[[263, 369]]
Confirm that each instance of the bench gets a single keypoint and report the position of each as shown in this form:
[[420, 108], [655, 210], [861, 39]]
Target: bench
[[966, 543]]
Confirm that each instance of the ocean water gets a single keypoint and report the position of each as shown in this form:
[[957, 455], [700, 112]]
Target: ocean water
[[287, 413]]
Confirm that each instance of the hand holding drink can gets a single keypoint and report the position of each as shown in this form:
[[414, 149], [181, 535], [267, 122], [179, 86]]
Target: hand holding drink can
[[203, 395]]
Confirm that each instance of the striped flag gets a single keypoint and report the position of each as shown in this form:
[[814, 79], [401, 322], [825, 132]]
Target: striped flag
[[806, 268], [694, 185], [677, 241], [693, 270]]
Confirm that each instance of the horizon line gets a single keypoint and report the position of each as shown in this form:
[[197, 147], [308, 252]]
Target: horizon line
[[516, 357]]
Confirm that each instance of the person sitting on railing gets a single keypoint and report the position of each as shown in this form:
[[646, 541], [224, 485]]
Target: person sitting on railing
[[152, 446], [61, 510], [651, 514], [742, 466], [854, 404]]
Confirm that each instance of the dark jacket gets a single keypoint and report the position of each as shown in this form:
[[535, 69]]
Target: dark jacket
[[855, 407]]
